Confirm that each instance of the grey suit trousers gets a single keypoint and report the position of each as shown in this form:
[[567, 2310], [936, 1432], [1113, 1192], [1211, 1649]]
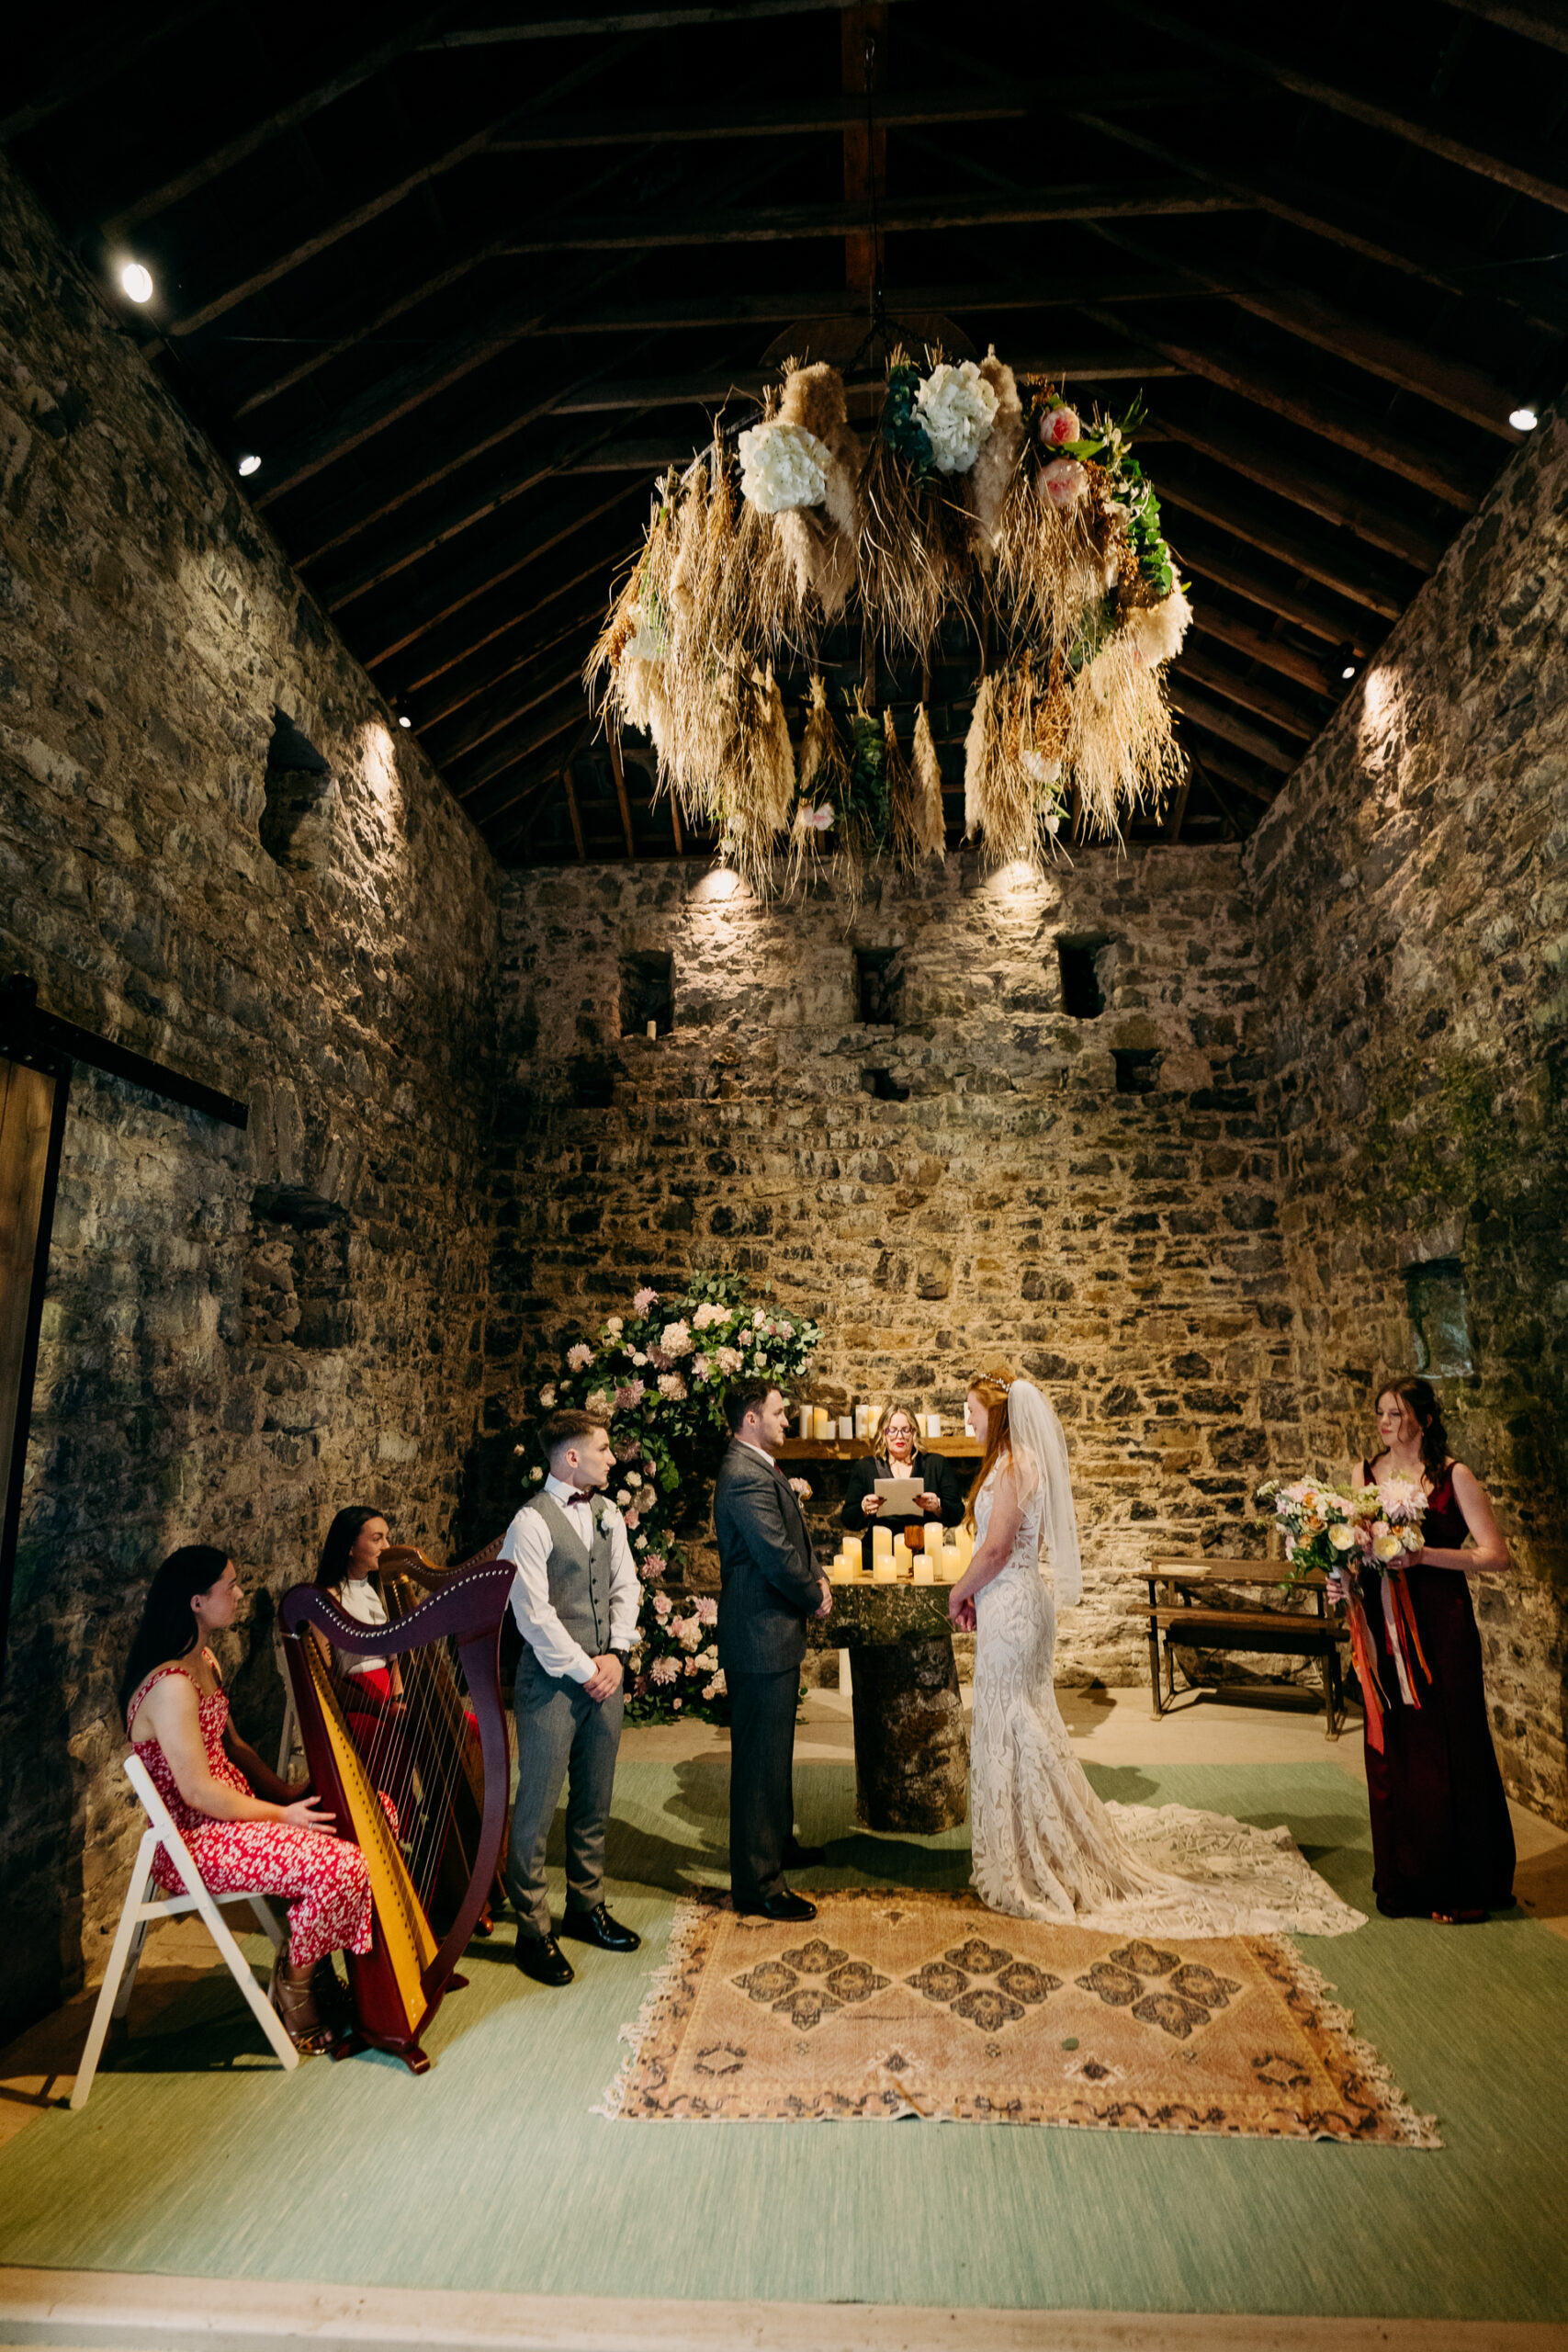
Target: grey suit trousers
[[762, 1779], [562, 1735]]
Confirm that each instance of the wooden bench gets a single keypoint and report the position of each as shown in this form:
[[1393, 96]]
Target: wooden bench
[[1177, 1608]]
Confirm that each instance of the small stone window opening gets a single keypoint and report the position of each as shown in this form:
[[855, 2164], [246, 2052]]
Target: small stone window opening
[[1137, 1068], [879, 978], [1439, 1318], [295, 824], [882, 1086], [592, 1085], [648, 994], [1083, 989], [298, 1290]]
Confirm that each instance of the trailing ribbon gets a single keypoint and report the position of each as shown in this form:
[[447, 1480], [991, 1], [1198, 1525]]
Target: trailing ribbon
[[1374, 1699]]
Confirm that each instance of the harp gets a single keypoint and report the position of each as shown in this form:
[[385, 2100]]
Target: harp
[[441, 1734], [397, 1985]]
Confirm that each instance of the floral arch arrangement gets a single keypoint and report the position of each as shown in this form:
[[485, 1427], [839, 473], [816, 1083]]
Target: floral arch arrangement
[[660, 1373], [972, 497]]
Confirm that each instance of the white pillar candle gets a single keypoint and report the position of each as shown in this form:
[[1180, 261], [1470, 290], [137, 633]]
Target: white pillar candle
[[884, 1572], [846, 1427], [925, 1570], [881, 1543], [901, 1556], [653, 1029], [965, 1547], [806, 1421], [933, 1424]]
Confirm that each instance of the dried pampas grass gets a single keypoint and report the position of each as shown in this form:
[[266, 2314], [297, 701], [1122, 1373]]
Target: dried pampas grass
[[991, 477], [930, 822], [821, 544], [1121, 747], [1156, 631]]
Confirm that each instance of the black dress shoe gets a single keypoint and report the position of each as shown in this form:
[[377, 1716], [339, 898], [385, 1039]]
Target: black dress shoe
[[542, 1958], [596, 1927], [797, 1857], [782, 1905]]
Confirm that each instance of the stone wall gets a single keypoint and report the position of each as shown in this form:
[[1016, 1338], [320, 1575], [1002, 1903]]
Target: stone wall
[[1412, 893], [962, 1183], [243, 1331]]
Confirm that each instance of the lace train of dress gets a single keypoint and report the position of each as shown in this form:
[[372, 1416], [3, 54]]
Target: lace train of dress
[[1046, 1848]]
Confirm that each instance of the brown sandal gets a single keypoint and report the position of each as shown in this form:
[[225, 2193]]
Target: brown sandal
[[296, 2005]]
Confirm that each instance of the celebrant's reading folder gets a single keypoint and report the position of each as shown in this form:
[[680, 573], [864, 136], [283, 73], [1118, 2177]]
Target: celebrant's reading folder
[[900, 1494]]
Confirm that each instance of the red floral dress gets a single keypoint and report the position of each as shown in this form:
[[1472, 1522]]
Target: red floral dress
[[323, 1879]]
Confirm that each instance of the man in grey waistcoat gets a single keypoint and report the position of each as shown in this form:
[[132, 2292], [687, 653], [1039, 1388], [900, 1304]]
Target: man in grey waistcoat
[[769, 1587], [575, 1597]]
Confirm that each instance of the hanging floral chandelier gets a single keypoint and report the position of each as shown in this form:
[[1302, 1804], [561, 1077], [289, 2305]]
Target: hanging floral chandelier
[[970, 499]]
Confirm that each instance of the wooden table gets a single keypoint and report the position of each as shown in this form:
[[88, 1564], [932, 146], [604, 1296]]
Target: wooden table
[[1176, 1606], [911, 1750]]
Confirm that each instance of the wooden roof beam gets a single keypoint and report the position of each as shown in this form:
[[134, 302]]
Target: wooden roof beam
[[485, 725], [1436, 130], [416, 617], [589, 617], [789, 223], [484, 140], [547, 730], [1256, 644], [1247, 694], [1343, 627], [357, 66], [1324, 562], [1323, 494], [622, 801], [1325, 413], [1217, 719], [102, 49], [443, 667], [1529, 18], [617, 20]]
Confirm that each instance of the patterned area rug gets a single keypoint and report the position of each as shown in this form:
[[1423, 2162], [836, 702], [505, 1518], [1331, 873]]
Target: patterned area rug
[[899, 2002]]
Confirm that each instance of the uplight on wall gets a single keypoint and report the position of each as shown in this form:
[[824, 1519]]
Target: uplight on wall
[[136, 281], [1523, 419], [250, 464]]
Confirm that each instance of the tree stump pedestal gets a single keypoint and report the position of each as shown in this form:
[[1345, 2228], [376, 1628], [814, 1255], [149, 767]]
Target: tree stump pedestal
[[911, 1752]]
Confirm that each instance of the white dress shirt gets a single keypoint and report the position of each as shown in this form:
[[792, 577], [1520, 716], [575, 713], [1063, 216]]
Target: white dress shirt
[[358, 1599], [527, 1546]]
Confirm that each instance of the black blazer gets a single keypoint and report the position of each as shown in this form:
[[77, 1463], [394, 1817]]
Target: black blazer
[[937, 1476], [768, 1583]]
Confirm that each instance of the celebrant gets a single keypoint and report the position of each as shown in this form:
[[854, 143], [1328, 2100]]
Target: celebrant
[[896, 1453]]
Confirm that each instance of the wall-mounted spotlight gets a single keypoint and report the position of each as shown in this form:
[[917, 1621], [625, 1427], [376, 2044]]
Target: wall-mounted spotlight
[[403, 718], [137, 282], [250, 463], [1348, 671], [1523, 419]]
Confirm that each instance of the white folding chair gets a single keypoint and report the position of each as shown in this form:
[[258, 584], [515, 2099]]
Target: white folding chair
[[145, 1902]]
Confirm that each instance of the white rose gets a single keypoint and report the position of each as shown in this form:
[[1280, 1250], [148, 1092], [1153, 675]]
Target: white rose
[[638, 1356], [622, 1496], [957, 407], [1342, 1538], [783, 466], [642, 1543], [634, 1477]]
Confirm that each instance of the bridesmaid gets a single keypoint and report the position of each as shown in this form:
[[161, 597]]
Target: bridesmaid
[[896, 1453], [1442, 1842]]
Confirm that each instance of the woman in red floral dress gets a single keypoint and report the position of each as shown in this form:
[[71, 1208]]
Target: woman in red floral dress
[[247, 1831]]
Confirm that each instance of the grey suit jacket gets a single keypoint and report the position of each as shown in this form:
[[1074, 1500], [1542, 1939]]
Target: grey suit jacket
[[767, 1584]]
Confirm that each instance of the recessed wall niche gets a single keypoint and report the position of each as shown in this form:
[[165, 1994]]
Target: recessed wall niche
[[1439, 1318], [1080, 962], [647, 993], [879, 984], [1137, 1068], [296, 823]]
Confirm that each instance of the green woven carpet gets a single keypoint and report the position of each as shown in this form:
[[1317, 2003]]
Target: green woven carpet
[[197, 2155]]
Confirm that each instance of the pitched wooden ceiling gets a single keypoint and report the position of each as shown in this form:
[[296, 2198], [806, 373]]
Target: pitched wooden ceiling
[[466, 278]]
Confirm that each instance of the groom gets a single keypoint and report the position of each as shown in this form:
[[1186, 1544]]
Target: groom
[[769, 1587]]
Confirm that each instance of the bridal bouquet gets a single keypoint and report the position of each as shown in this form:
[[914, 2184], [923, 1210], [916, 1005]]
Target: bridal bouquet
[[1343, 1531]]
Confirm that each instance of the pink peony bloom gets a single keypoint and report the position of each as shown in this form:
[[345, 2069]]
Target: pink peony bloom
[[730, 1359], [664, 1670], [672, 1386], [651, 1567], [659, 1359], [580, 1356], [642, 1300], [707, 1610], [630, 1396], [663, 1605], [1063, 482], [1059, 424]]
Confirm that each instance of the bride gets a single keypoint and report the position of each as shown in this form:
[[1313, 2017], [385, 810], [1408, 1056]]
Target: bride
[[1044, 1845]]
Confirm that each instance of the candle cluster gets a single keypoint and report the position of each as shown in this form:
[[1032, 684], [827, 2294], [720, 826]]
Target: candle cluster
[[817, 1426], [941, 1559]]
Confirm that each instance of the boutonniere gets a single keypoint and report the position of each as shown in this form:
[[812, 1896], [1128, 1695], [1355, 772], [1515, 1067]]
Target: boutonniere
[[801, 1489]]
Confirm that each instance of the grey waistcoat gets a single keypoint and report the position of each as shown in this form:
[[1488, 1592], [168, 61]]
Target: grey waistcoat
[[579, 1580]]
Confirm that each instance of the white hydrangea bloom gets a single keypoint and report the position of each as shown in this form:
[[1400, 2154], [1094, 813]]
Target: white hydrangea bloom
[[957, 407], [783, 466]]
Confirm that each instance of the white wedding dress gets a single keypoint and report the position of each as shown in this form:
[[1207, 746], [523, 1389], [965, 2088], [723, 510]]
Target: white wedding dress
[[1046, 1848]]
